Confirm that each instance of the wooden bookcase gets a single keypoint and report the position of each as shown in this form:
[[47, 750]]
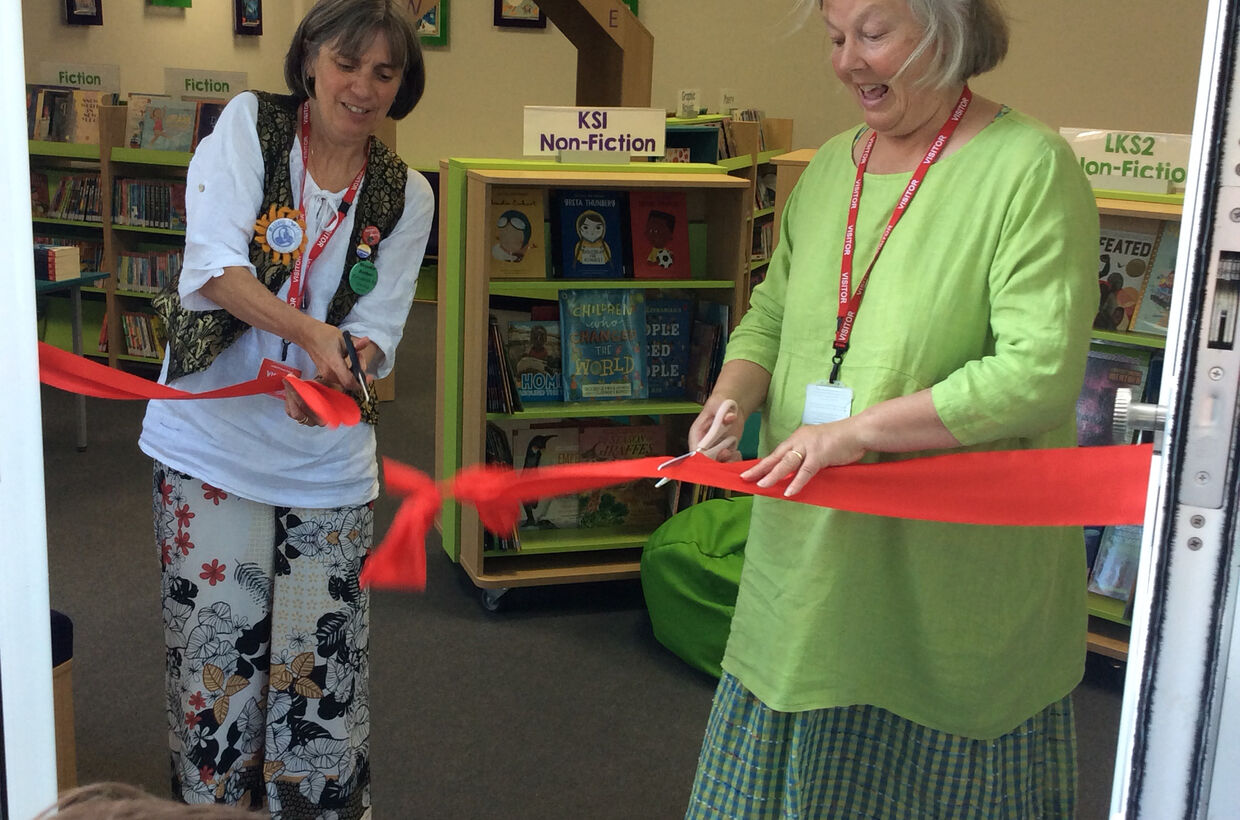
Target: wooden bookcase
[[111, 161], [1108, 623], [723, 203]]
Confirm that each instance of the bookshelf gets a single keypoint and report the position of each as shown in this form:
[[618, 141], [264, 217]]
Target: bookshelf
[[1109, 621], [717, 200]]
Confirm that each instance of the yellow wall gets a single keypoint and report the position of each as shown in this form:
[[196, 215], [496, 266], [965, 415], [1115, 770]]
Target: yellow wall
[[1128, 65]]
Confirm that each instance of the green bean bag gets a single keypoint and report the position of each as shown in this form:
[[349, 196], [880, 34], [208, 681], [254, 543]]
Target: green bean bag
[[690, 570]]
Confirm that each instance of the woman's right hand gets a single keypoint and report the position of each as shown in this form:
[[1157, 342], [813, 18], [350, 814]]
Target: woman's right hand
[[731, 425], [324, 344]]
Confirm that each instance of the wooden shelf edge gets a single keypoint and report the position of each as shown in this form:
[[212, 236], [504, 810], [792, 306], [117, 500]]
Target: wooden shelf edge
[[1107, 638], [562, 568]]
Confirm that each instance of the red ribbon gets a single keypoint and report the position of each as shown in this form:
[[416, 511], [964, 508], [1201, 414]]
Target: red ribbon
[[1071, 486], [64, 370]]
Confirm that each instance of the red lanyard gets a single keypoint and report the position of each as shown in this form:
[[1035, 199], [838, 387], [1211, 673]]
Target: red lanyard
[[303, 263], [850, 305]]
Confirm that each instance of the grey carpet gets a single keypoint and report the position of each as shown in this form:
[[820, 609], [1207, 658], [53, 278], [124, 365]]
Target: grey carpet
[[561, 706]]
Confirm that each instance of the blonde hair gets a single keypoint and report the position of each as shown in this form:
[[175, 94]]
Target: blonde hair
[[120, 801]]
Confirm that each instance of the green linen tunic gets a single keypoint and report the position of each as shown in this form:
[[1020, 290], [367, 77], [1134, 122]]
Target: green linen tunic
[[985, 293]]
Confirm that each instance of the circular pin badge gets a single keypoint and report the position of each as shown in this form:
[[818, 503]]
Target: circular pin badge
[[284, 235], [363, 277], [363, 251], [370, 235]]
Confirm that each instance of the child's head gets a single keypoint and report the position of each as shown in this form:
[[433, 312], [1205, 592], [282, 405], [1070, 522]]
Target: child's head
[[512, 231], [659, 228]]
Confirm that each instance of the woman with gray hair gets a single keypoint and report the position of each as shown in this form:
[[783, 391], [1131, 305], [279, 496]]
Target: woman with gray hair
[[304, 240], [880, 667]]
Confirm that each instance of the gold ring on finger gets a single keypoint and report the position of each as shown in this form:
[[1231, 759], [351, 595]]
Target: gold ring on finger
[[800, 456]]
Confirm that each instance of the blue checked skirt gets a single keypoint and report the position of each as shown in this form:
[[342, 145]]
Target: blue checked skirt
[[862, 761]]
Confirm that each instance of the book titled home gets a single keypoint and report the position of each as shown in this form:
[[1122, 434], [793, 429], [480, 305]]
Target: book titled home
[[659, 231], [1154, 310], [634, 503], [590, 234], [1107, 369], [1125, 248], [604, 338], [669, 323], [515, 218], [535, 359]]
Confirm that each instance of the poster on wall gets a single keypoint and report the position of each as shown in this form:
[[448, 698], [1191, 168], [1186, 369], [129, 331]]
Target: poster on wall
[[432, 17], [248, 17], [84, 12], [519, 14]]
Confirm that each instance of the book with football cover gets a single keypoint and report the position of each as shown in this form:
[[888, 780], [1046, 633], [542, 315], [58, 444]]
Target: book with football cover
[[603, 333], [535, 359], [1154, 309], [659, 231], [515, 218], [1115, 568], [546, 445], [1107, 368], [632, 504], [669, 323], [590, 235], [1125, 248]]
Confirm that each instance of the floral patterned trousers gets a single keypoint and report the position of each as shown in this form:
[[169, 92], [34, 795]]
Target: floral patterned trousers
[[267, 636]]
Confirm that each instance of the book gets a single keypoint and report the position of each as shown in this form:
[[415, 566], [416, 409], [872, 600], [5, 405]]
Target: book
[[535, 359], [168, 125], [659, 232], [546, 445], [1125, 249], [590, 234], [207, 114], [56, 118], [1093, 536], [707, 342], [669, 323], [1115, 569], [502, 396], [135, 111], [604, 337], [57, 263], [634, 503], [1154, 309], [499, 453], [85, 127], [40, 194], [1107, 368], [515, 217]]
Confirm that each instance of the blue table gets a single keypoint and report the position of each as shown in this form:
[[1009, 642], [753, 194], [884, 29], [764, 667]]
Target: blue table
[[74, 286]]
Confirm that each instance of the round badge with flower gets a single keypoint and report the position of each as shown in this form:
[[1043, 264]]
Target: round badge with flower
[[281, 233]]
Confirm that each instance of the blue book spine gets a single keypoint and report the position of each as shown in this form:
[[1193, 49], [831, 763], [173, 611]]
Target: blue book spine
[[668, 326]]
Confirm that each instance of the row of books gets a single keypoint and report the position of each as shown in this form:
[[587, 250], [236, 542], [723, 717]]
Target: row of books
[[144, 334], [165, 123], [712, 139], [147, 271], [57, 113], [1107, 369], [763, 241], [57, 263], [70, 196], [147, 203], [90, 252], [1136, 272], [604, 344], [592, 234]]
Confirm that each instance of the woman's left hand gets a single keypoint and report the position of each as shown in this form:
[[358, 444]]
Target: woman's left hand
[[810, 448]]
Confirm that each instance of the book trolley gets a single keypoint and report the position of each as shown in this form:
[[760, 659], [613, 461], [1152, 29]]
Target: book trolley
[[720, 204]]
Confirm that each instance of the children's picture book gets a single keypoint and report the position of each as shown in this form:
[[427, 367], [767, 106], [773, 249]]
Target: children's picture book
[[56, 117], [1124, 254], [1107, 369], [1154, 309], [632, 504], [590, 234], [515, 218], [669, 324], [40, 193], [135, 112], [659, 230], [546, 445], [1115, 568], [168, 125], [604, 337], [707, 342], [535, 359]]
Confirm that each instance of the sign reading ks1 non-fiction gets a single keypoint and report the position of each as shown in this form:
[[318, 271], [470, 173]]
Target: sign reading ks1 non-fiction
[[554, 130]]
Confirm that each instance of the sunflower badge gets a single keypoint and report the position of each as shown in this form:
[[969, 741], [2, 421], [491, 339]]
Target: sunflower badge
[[281, 233]]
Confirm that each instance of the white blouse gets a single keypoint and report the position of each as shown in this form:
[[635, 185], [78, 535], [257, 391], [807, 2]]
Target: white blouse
[[249, 446]]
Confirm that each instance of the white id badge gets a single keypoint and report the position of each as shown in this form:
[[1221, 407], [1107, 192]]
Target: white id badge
[[826, 402]]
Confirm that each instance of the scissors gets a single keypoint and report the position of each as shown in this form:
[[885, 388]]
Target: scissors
[[708, 446], [355, 365]]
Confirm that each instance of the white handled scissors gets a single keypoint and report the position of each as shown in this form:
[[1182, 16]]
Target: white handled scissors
[[708, 446]]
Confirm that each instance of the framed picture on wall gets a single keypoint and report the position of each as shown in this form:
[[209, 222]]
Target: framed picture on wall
[[247, 16], [84, 12], [519, 14], [432, 17]]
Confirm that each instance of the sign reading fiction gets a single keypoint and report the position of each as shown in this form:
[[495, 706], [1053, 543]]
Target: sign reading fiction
[[91, 77], [1131, 161], [552, 130], [204, 84]]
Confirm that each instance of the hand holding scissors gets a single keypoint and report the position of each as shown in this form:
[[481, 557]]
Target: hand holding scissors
[[716, 440], [355, 365]]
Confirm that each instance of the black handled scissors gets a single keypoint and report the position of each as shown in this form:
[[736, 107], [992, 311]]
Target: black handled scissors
[[355, 365]]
